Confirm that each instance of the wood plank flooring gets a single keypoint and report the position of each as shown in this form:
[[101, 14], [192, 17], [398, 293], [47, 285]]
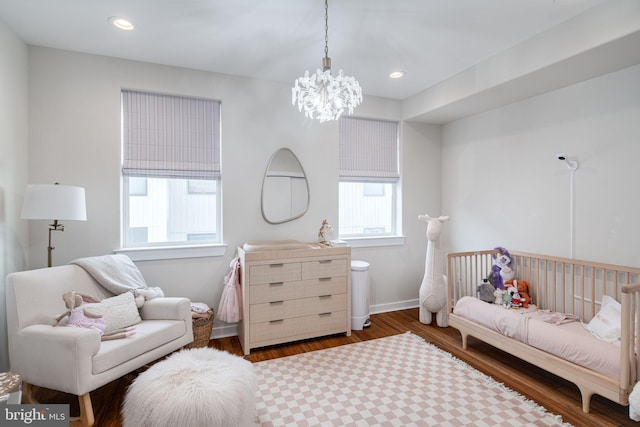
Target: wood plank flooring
[[557, 395]]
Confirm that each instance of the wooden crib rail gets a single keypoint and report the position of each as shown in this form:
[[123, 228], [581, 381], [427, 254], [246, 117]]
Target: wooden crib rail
[[629, 346], [465, 270], [559, 284], [570, 285]]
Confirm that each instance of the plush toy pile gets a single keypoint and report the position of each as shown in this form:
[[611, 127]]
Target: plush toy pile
[[501, 287], [523, 289]]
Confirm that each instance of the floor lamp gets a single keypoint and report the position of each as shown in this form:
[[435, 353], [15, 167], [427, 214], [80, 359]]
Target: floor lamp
[[54, 202]]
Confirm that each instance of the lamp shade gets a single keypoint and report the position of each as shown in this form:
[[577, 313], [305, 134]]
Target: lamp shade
[[54, 202]]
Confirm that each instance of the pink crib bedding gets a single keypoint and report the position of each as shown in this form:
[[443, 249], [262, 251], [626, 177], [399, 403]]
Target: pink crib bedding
[[570, 341]]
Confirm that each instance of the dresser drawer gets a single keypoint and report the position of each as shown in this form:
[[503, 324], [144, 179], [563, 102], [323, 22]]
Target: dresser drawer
[[266, 292], [324, 268], [289, 295], [297, 328], [286, 309], [274, 273]]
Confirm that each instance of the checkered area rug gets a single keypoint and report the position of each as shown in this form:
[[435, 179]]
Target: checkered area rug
[[394, 381]]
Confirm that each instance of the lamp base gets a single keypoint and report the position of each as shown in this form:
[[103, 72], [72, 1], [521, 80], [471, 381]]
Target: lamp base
[[56, 226]]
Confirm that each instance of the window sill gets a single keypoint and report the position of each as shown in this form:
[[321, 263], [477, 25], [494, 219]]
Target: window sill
[[370, 242], [173, 252]]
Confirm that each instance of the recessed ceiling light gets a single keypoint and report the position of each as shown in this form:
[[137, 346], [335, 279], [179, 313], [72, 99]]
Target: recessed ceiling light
[[122, 23], [396, 74]]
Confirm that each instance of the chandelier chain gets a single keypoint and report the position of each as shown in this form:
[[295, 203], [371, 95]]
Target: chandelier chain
[[326, 28]]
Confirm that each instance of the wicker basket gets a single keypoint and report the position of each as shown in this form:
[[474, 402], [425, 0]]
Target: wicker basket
[[202, 327]]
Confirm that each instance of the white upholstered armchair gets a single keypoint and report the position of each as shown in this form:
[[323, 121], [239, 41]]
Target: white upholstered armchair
[[75, 360]]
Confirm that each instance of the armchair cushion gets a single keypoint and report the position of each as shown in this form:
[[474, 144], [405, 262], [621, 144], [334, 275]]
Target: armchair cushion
[[149, 335], [165, 308], [118, 312]]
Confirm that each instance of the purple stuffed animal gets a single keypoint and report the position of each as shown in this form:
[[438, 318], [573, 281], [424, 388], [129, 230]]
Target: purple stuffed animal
[[501, 261]]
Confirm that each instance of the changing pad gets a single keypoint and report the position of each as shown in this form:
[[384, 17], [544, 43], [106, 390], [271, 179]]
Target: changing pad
[[276, 245]]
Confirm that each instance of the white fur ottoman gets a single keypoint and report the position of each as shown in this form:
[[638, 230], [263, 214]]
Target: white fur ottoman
[[193, 388]]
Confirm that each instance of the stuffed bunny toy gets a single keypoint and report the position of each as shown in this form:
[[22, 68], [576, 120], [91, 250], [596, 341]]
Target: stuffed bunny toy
[[82, 318]]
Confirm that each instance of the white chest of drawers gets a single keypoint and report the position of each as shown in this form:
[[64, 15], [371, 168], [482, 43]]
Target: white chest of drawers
[[290, 295]]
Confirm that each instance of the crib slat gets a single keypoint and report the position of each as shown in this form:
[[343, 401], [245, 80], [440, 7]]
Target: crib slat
[[593, 290], [573, 288], [582, 294]]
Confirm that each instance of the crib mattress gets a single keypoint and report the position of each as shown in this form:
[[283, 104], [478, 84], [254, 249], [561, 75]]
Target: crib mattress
[[571, 340]]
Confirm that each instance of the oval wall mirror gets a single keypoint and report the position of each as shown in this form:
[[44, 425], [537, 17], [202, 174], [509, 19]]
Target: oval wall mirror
[[285, 190]]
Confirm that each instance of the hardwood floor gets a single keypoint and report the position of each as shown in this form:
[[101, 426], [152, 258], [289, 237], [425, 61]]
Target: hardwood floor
[[557, 395]]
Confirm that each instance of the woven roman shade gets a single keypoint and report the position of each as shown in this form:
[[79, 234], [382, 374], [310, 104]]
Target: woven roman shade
[[368, 150], [166, 136]]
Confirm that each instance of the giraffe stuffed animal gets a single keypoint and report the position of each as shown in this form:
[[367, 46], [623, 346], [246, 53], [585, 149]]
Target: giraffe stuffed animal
[[433, 290]]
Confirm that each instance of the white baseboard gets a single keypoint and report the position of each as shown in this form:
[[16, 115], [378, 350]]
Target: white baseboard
[[223, 330], [394, 306]]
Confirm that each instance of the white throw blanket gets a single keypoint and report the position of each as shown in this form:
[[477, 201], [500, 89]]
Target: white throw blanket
[[118, 274]]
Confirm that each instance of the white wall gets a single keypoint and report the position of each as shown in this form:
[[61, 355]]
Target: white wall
[[75, 139], [396, 274], [503, 186], [13, 166]]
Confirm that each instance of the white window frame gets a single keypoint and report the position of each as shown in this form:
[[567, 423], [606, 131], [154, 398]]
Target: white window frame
[[385, 173], [176, 249]]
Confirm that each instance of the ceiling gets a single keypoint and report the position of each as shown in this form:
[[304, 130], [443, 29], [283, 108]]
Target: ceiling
[[277, 40]]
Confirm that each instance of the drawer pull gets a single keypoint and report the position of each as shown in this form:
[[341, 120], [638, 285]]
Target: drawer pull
[[276, 283], [276, 302], [276, 265], [324, 296], [325, 261], [276, 321], [324, 279], [328, 313]]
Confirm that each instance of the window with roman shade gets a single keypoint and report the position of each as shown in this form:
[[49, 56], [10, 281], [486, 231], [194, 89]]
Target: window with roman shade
[[368, 150], [369, 176], [170, 136], [171, 169]]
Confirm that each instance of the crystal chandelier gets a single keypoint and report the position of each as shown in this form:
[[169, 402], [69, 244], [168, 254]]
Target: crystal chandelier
[[323, 94]]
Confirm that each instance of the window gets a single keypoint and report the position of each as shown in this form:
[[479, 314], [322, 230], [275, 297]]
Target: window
[[368, 178], [137, 186], [170, 170], [198, 186], [373, 189]]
